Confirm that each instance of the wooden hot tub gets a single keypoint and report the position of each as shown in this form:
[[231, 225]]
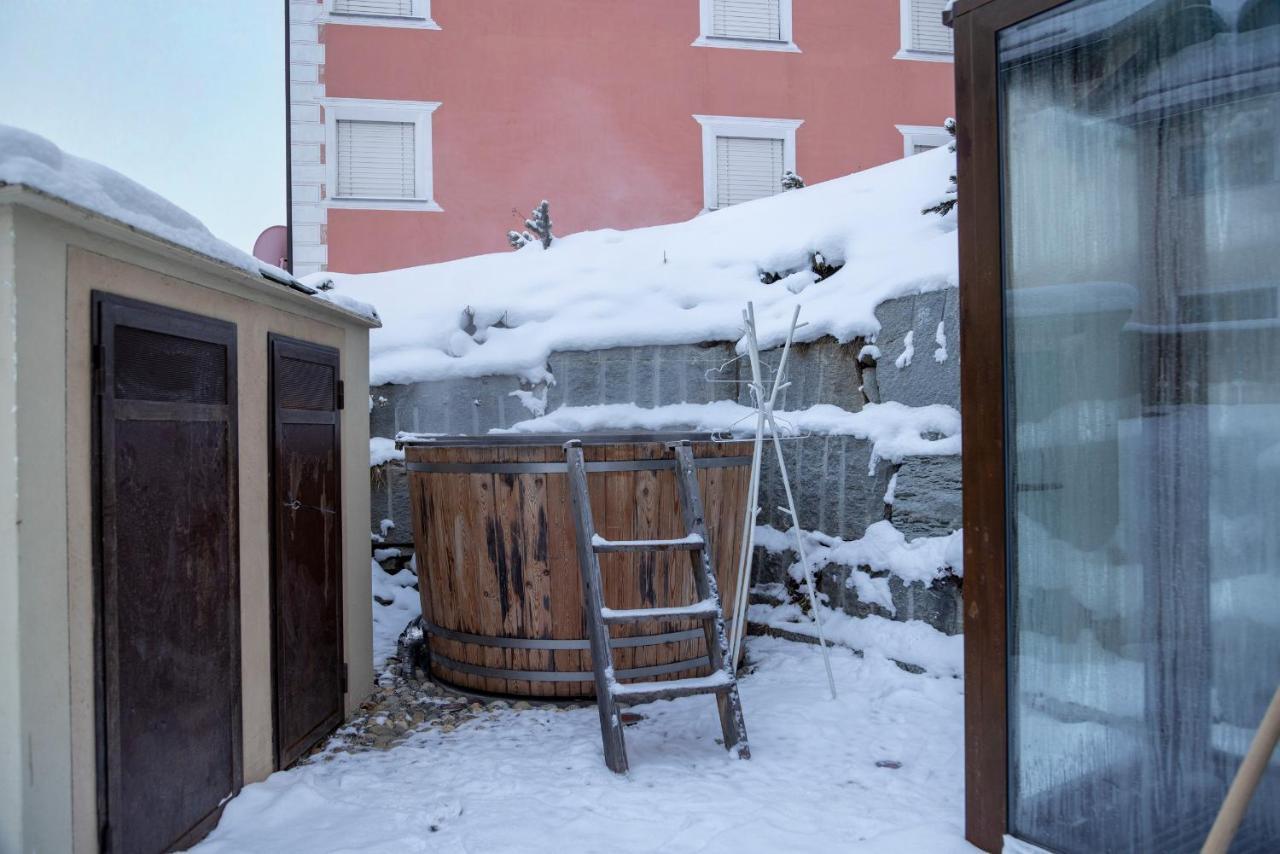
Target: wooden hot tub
[[498, 567]]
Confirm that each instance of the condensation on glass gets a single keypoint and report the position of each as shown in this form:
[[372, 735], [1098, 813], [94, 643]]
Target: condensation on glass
[[1140, 150]]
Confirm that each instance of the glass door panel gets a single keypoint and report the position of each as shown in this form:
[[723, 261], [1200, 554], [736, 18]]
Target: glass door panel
[[1140, 158]]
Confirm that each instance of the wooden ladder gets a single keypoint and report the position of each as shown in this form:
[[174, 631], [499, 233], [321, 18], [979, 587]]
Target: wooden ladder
[[610, 694]]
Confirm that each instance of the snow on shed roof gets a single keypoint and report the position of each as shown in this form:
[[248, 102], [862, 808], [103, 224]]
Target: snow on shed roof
[[683, 283], [29, 160]]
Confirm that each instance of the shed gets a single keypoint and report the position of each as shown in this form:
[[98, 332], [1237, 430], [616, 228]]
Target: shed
[[184, 505]]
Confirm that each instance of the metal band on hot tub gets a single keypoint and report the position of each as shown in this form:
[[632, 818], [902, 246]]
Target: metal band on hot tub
[[564, 676], [561, 468], [553, 643]]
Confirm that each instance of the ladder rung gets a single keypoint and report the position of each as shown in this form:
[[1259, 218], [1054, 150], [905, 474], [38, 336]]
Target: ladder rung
[[697, 611], [692, 543], [645, 692]]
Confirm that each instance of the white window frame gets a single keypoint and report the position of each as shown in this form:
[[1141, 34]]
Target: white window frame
[[714, 127], [360, 109], [907, 51], [922, 134], [420, 19], [785, 44]]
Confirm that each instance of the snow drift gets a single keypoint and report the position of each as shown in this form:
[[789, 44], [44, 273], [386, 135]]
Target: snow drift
[[684, 283]]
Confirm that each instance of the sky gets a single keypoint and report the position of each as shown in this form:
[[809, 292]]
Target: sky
[[186, 97]]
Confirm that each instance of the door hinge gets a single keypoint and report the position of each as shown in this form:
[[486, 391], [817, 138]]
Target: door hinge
[[344, 677], [342, 394]]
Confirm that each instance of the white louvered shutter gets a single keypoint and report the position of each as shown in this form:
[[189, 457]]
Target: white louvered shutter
[[927, 32], [389, 8], [922, 147], [746, 169], [376, 160], [747, 19]]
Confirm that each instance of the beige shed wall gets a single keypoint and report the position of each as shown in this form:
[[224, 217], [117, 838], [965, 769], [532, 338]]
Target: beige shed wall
[[10, 686], [58, 265]]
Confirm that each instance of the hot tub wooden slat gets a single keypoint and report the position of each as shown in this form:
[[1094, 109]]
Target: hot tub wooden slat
[[671, 580], [510, 582], [441, 586], [566, 583], [537, 570], [503, 541], [481, 544], [649, 565], [473, 506], [482, 575], [621, 581]]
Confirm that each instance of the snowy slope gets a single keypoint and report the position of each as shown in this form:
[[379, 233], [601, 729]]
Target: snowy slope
[[30, 160], [672, 284]]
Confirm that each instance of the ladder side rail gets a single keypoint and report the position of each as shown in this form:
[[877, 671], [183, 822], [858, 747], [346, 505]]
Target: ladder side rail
[[728, 704], [704, 578], [615, 749]]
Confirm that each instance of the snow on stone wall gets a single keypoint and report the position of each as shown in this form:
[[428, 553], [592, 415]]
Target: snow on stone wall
[[840, 486]]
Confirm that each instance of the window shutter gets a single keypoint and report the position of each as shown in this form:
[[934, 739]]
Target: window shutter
[[746, 169], [747, 19], [927, 32], [388, 8], [376, 160]]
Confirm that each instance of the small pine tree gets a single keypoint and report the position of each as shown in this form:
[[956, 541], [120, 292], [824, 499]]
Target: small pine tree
[[537, 227], [539, 223], [791, 181], [947, 202]]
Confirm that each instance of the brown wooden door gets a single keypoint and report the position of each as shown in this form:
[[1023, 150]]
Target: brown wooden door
[[307, 547], [167, 574]]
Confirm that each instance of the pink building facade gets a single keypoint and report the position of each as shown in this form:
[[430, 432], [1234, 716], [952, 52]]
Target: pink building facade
[[424, 130]]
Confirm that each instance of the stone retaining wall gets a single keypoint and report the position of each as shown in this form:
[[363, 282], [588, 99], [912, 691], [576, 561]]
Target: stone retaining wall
[[837, 489]]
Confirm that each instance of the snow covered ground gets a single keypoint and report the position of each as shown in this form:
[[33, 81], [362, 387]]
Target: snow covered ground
[[534, 781], [913, 642]]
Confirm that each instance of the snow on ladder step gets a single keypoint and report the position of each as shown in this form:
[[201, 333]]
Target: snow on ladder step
[[705, 609], [646, 692], [693, 542]]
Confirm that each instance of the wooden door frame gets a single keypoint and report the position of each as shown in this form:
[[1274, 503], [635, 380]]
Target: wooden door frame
[[201, 328], [983, 410], [275, 340]]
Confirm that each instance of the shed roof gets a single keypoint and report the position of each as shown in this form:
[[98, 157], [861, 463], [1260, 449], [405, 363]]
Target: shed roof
[[31, 163]]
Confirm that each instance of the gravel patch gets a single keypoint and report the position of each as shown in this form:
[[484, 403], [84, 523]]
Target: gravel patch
[[404, 705]]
